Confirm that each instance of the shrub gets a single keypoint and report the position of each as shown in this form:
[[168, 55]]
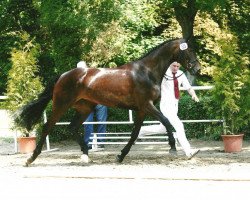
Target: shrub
[[189, 110], [23, 84], [231, 91]]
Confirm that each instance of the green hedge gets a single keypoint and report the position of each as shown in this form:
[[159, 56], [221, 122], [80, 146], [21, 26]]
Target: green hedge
[[190, 110]]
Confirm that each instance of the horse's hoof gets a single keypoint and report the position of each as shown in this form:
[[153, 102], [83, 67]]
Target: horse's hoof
[[28, 162], [119, 159], [173, 152], [85, 158]]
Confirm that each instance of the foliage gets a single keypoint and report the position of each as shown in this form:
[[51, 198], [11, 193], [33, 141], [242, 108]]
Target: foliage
[[23, 83], [231, 91], [189, 110], [59, 132], [15, 16], [219, 21], [211, 34], [108, 33], [126, 38], [118, 114], [72, 27], [236, 14], [107, 45]]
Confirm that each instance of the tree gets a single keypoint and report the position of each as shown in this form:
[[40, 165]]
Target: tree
[[71, 27], [23, 83], [15, 16], [237, 14], [128, 36], [231, 92]]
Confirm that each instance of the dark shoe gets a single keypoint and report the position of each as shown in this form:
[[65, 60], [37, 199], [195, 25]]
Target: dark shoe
[[173, 151]]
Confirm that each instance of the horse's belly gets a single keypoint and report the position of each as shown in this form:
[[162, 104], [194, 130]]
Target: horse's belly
[[116, 99]]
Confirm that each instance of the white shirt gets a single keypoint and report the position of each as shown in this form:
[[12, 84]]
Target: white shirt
[[167, 88]]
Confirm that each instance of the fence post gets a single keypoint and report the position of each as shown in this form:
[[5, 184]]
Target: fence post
[[47, 137], [94, 141], [130, 115]]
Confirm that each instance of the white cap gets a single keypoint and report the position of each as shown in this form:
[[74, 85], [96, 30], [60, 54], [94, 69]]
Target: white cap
[[81, 64]]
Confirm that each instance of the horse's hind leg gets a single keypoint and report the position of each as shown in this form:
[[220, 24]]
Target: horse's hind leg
[[84, 108], [56, 114], [137, 126], [74, 128]]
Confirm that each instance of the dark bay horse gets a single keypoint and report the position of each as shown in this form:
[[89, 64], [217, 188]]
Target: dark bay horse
[[135, 86]]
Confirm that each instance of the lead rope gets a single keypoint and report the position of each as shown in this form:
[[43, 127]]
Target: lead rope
[[170, 78]]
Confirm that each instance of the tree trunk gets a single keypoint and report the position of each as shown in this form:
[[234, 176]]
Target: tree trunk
[[185, 15]]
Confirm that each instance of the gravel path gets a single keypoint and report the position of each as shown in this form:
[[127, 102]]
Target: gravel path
[[143, 161], [148, 172]]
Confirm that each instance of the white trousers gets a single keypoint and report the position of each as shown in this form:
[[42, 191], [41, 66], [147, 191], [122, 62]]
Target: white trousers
[[171, 113]]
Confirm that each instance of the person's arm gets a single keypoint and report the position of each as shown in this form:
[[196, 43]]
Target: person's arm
[[189, 88], [193, 94]]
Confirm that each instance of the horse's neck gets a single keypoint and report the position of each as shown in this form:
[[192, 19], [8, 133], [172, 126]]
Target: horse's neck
[[159, 60], [157, 66]]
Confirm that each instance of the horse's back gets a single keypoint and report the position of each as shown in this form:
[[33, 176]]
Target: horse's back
[[108, 86], [117, 87]]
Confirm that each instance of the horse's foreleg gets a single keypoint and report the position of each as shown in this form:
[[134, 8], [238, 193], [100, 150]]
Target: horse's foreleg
[[152, 110], [171, 139], [137, 126]]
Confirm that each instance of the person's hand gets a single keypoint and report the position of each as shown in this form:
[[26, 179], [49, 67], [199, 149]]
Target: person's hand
[[195, 98]]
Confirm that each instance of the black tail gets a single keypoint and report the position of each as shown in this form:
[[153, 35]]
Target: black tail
[[30, 114]]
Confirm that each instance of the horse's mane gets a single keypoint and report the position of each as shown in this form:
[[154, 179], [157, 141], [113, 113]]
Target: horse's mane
[[157, 47]]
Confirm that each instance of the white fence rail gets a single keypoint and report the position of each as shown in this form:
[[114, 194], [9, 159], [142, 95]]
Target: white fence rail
[[112, 138], [3, 97], [125, 136]]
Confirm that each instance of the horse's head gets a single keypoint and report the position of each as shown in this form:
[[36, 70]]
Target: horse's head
[[187, 57]]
